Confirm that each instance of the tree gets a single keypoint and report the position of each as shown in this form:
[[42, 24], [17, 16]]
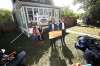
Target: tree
[[86, 4], [92, 8], [68, 12]]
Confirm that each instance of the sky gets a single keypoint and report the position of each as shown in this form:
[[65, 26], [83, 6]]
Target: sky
[[68, 3], [7, 4]]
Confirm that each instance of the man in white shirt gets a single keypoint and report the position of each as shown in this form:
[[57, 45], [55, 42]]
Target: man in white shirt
[[52, 27], [62, 27]]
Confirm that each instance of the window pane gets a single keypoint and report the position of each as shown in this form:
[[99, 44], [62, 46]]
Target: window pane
[[30, 17], [49, 12], [29, 10], [35, 11], [30, 14], [42, 1], [34, 0], [57, 13], [41, 11], [45, 11], [52, 12]]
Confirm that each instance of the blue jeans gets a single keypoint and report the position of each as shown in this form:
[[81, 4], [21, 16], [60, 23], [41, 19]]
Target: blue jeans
[[34, 38]]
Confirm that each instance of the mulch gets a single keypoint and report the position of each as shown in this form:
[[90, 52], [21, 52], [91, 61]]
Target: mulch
[[38, 43]]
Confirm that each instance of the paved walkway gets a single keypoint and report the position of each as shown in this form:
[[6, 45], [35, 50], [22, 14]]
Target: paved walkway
[[81, 33]]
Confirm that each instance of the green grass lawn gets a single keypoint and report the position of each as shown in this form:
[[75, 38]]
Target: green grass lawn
[[88, 30], [40, 53]]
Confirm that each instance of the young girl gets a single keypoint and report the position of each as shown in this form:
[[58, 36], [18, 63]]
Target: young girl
[[36, 34]]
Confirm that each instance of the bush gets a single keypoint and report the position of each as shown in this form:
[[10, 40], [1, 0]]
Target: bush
[[5, 16], [6, 23]]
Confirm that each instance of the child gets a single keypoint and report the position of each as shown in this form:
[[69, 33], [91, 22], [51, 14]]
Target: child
[[36, 34], [41, 33]]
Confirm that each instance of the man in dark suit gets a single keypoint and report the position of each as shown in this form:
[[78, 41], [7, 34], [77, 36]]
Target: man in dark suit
[[62, 27], [52, 27]]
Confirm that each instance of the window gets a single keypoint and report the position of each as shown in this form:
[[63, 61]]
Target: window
[[35, 11], [35, 0], [56, 13], [53, 12], [42, 1], [45, 11], [48, 2], [41, 11], [30, 13], [50, 12]]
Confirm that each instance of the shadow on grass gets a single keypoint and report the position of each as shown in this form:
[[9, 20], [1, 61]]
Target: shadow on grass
[[35, 53], [55, 59], [5, 40], [34, 50], [67, 54]]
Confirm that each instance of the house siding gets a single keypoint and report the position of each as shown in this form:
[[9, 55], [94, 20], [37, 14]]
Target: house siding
[[21, 8], [49, 2]]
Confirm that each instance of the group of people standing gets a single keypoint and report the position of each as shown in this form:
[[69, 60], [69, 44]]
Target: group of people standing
[[52, 26]]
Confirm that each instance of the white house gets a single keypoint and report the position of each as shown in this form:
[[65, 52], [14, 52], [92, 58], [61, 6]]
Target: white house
[[34, 11]]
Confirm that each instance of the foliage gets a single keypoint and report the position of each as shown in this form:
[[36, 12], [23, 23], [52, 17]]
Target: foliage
[[87, 4], [5, 16], [92, 8], [95, 10], [68, 12]]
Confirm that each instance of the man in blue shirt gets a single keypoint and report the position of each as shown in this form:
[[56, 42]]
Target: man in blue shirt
[[52, 27]]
